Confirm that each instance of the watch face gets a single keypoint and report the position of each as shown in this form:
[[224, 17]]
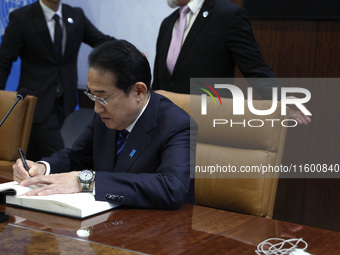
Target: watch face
[[86, 175]]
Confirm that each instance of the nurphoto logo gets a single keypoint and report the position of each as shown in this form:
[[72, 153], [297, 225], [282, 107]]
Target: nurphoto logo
[[239, 103]]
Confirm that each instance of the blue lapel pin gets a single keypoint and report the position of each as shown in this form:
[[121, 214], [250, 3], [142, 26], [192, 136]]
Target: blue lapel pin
[[132, 153], [70, 20], [205, 14]]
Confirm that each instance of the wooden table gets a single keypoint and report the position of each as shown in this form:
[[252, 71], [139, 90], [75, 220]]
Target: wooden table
[[192, 229]]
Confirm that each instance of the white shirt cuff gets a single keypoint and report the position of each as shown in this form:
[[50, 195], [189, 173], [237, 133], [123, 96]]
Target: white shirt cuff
[[47, 165]]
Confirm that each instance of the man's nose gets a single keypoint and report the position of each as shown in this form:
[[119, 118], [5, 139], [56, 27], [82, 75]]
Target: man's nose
[[98, 107]]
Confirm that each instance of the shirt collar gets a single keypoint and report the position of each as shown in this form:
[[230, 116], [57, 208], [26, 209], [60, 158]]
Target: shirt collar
[[49, 13], [195, 5], [131, 126]]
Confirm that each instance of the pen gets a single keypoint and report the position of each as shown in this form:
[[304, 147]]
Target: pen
[[23, 159]]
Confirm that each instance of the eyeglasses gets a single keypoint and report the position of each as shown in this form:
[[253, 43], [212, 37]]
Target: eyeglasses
[[100, 100]]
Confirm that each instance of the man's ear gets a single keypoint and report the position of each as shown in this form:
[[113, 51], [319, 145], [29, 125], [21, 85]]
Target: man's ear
[[141, 89]]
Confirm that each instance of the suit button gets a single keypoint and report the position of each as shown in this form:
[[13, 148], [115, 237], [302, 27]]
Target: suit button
[[121, 198], [114, 198], [108, 196]]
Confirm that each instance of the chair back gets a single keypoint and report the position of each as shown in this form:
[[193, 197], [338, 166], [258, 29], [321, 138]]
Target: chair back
[[74, 124], [15, 131], [236, 147]]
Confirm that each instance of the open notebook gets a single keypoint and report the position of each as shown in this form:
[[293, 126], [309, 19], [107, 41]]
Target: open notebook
[[75, 205]]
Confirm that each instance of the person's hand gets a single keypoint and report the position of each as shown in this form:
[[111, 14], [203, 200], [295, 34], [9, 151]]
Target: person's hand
[[63, 183], [296, 114], [20, 174]]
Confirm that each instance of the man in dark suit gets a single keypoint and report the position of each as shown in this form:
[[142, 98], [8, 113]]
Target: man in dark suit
[[217, 36], [48, 50], [152, 170]]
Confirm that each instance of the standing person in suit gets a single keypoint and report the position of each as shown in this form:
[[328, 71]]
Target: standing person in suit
[[217, 36], [152, 168], [47, 35]]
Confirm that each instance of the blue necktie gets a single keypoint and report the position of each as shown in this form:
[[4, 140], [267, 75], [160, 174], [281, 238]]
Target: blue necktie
[[121, 141]]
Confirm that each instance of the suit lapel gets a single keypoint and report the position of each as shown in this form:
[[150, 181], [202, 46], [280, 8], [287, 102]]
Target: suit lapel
[[194, 31], [68, 21], [139, 138], [135, 145], [112, 140], [40, 23]]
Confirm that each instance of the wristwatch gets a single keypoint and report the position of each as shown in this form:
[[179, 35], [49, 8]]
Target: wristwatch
[[85, 177]]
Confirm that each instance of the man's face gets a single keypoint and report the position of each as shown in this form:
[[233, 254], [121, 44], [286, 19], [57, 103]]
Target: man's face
[[122, 109], [176, 3]]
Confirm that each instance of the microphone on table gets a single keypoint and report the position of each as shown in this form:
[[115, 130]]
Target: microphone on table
[[22, 93]]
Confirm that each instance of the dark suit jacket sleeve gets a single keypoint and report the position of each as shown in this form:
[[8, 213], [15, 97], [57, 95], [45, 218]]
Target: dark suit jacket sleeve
[[155, 83], [165, 30], [247, 56], [11, 45]]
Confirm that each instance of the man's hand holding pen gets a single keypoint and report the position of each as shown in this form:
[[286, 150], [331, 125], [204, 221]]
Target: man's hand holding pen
[[47, 184], [20, 173]]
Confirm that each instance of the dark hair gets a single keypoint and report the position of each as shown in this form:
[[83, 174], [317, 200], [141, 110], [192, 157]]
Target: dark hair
[[124, 60]]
